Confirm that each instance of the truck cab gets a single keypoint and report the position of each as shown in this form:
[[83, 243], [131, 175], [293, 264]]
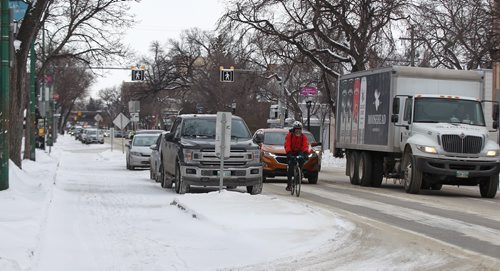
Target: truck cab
[[444, 141]]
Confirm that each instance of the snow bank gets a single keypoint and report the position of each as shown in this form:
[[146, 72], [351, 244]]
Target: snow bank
[[327, 160], [22, 207]]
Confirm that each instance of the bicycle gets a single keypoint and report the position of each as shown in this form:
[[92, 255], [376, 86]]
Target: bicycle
[[298, 175]]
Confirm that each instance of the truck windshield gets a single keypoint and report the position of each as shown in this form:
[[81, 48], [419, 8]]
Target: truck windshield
[[205, 128], [434, 110]]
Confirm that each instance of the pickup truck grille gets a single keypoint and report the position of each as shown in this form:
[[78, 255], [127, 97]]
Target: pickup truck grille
[[458, 144], [226, 163], [238, 157], [232, 150]]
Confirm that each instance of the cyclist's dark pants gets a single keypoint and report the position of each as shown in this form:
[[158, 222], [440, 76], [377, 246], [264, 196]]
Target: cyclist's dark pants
[[292, 160]]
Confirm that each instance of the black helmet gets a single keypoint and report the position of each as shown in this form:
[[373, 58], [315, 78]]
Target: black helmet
[[297, 125]]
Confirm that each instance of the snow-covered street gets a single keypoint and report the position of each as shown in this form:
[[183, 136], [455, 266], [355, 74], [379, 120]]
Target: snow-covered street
[[100, 216], [79, 208]]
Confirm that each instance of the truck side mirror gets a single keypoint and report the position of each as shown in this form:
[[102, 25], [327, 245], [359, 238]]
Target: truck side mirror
[[169, 136], [394, 118], [495, 112], [395, 106], [259, 138]]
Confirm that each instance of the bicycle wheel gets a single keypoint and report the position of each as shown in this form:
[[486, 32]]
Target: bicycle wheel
[[298, 183]]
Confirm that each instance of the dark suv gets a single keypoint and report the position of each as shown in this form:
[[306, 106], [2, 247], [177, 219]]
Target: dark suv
[[188, 156]]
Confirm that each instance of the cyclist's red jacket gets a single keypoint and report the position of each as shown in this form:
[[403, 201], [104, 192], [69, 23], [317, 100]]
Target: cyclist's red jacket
[[294, 144]]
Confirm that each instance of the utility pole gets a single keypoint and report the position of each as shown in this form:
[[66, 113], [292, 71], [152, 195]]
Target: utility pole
[[308, 105], [4, 93], [31, 126], [412, 40]]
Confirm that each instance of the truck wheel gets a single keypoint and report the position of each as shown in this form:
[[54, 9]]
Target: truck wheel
[[488, 188], [377, 170], [254, 189], [352, 158], [365, 169], [313, 178], [180, 186], [412, 176]]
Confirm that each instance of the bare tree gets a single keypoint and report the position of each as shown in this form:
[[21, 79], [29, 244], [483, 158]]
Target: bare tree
[[86, 30], [112, 99], [27, 33], [456, 34], [89, 30], [332, 35], [72, 83], [200, 55], [343, 31]]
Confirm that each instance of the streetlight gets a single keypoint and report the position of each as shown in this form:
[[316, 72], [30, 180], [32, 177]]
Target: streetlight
[[308, 105]]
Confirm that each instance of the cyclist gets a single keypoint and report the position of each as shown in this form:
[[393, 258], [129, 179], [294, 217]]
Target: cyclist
[[296, 145]]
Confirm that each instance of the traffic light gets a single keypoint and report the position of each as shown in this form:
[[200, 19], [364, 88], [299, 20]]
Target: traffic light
[[137, 75], [226, 75]]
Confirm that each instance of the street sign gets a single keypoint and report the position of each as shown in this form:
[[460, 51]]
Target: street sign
[[309, 91], [223, 134], [134, 106], [137, 75], [57, 115], [226, 75], [18, 8], [121, 121], [134, 117], [98, 118]]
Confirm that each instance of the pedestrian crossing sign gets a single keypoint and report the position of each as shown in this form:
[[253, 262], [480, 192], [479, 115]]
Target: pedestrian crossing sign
[[226, 75]]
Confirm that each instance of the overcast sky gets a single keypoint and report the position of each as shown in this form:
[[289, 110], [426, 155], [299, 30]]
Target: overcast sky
[[161, 20]]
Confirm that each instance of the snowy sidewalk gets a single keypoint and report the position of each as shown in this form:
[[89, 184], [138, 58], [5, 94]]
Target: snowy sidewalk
[[100, 216]]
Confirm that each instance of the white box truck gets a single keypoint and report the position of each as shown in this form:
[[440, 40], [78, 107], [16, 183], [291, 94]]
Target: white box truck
[[421, 125]]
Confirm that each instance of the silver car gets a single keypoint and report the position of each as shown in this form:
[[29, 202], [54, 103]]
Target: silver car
[[138, 151], [92, 135]]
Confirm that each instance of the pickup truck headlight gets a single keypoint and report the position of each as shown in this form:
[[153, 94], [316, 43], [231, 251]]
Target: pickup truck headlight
[[492, 153], [190, 154], [256, 155], [427, 149]]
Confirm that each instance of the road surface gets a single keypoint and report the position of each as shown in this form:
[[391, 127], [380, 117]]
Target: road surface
[[454, 221]]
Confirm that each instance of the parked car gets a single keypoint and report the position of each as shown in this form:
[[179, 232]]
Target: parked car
[[155, 158], [273, 155], [138, 150], [78, 133], [189, 158], [131, 134], [73, 129], [92, 135]]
